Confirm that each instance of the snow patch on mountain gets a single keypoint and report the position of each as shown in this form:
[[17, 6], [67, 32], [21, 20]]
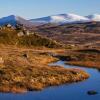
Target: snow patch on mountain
[[67, 18], [57, 19], [61, 18], [94, 17]]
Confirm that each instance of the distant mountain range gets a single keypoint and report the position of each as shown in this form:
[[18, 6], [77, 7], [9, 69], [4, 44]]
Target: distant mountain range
[[13, 20], [57, 19], [66, 18], [61, 18]]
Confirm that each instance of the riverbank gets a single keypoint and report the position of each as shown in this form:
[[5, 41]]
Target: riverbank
[[89, 58], [23, 70]]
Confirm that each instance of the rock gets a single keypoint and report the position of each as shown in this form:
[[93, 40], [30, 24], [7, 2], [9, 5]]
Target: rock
[[8, 25], [25, 55], [27, 32], [20, 34], [1, 60], [92, 92]]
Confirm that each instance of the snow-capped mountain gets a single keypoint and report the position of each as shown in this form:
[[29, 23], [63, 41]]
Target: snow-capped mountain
[[13, 20], [61, 18], [94, 17], [55, 19]]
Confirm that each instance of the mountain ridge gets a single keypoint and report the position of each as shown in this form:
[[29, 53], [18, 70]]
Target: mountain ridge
[[66, 18], [13, 20], [57, 19], [60, 19]]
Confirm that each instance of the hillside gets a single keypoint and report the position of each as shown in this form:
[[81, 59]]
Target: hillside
[[21, 37], [23, 68], [81, 33]]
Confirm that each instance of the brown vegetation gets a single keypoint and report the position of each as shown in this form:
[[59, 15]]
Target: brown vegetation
[[86, 57], [10, 36], [82, 34], [27, 70]]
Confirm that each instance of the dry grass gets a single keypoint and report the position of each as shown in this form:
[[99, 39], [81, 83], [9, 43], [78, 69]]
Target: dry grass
[[27, 70], [90, 64], [85, 57]]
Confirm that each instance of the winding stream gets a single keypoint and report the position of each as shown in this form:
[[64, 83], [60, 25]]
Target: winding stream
[[74, 91]]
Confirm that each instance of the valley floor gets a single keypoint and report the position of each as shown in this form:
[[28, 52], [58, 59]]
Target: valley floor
[[23, 70]]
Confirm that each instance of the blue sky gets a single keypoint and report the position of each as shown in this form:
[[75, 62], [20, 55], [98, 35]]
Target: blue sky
[[40, 8]]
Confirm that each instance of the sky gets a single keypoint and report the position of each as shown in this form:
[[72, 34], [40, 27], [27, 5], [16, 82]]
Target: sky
[[39, 8]]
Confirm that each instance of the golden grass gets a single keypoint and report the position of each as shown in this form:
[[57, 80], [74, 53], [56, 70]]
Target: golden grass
[[90, 64], [27, 70], [85, 57]]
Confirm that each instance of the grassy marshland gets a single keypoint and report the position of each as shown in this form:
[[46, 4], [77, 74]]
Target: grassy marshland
[[26, 69]]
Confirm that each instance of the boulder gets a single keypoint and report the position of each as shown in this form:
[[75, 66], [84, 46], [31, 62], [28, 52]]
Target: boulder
[[92, 92]]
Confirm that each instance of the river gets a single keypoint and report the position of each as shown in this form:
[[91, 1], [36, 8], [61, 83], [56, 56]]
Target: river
[[74, 91]]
